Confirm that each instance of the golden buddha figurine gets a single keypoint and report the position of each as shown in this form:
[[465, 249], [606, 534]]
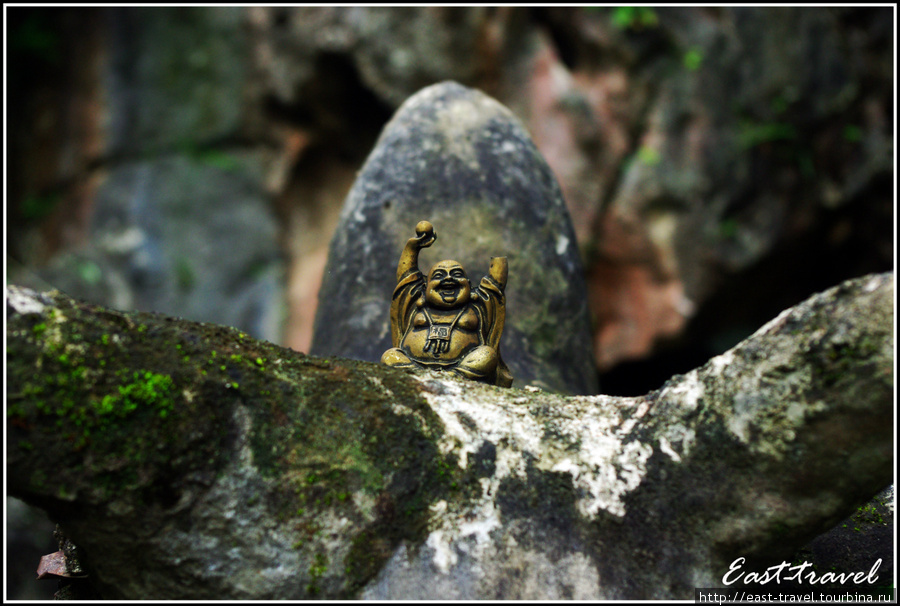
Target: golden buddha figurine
[[443, 323]]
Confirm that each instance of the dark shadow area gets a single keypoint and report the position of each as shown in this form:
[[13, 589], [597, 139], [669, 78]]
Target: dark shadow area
[[344, 114]]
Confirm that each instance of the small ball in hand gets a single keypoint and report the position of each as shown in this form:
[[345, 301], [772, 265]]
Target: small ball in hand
[[424, 227]]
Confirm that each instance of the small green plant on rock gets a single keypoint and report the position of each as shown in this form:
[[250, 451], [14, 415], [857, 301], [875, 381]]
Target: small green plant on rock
[[634, 17]]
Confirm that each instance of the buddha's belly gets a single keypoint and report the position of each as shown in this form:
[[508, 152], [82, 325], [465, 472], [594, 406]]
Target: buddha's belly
[[461, 342]]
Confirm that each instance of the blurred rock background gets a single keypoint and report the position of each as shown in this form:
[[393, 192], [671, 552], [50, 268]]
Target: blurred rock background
[[719, 164]]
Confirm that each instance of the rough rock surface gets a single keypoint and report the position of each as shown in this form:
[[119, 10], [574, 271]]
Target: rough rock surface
[[188, 461], [712, 156], [858, 542], [701, 150], [163, 238], [459, 159], [170, 212], [719, 163], [176, 78]]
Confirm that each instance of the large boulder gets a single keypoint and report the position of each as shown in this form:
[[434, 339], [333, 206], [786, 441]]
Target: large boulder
[[189, 461], [461, 160]]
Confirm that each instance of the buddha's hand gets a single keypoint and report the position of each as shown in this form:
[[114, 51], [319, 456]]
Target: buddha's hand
[[425, 235]]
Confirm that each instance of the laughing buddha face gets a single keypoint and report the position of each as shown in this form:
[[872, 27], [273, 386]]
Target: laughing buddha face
[[448, 286]]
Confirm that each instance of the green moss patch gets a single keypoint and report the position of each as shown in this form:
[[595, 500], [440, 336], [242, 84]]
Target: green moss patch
[[107, 399]]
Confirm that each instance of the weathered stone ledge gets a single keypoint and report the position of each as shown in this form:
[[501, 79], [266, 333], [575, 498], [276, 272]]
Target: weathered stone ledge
[[189, 461]]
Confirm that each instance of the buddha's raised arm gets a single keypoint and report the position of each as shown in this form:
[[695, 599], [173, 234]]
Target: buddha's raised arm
[[409, 258]]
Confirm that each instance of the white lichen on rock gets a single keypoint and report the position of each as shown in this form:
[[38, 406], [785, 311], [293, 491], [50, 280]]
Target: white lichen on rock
[[24, 300], [586, 438]]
